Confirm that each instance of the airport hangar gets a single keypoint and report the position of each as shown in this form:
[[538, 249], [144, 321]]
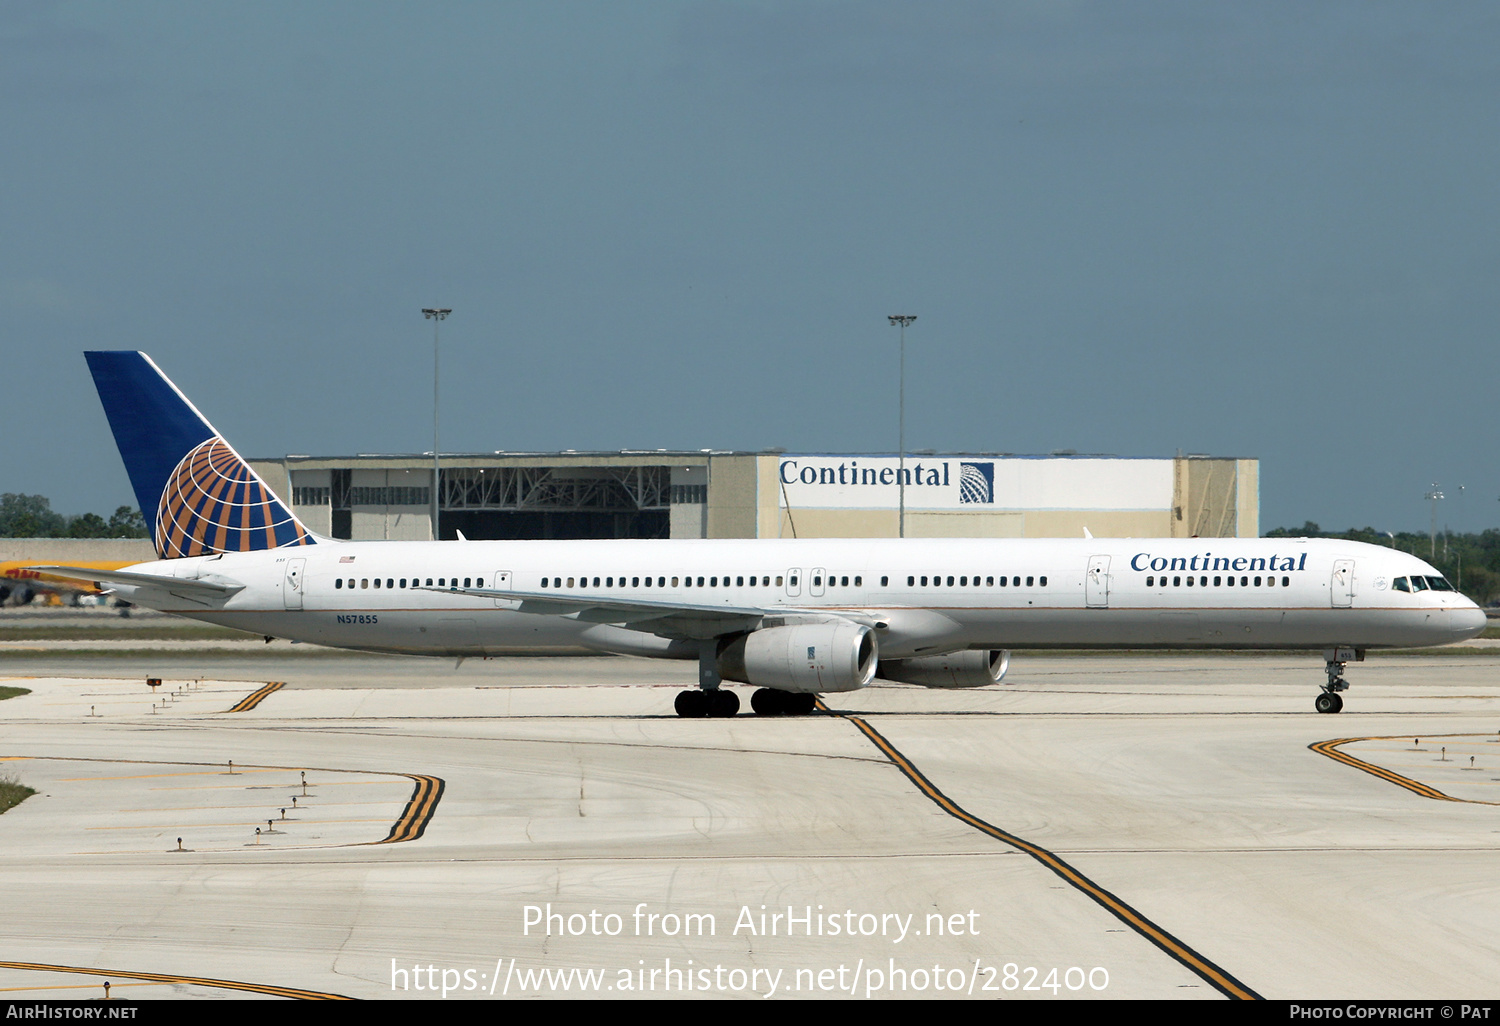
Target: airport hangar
[[772, 494]]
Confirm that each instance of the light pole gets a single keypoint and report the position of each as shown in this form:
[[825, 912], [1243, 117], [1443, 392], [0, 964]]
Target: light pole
[[1434, 496], [435, 315], [902, 320]]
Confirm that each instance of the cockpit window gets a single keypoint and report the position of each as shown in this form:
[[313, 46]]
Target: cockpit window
[[1439, 584], [1418, 584], [1400, 584]]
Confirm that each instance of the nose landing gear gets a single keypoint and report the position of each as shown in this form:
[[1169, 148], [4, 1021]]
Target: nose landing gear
[[1330, 701]]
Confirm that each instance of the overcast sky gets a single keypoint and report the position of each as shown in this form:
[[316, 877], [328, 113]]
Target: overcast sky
[[1263, 230]]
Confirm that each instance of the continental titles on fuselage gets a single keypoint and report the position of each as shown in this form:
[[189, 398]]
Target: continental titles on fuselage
[[1236, 563]]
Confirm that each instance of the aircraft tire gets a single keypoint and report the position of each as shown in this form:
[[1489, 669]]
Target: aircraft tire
[[691, 704], [723, 703], [767, 702], [1328, 702]]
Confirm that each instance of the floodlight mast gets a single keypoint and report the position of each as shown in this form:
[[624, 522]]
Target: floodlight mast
[[903, 320], [436, 316]]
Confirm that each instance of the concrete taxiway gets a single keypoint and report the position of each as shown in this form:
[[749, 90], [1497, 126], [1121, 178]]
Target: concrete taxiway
[[1102, 826]]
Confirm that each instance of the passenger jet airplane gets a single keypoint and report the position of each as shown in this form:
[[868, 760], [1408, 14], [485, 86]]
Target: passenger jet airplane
[[796, 618]]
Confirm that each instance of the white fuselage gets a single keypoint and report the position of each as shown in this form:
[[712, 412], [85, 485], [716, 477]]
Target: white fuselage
[[924, 596]]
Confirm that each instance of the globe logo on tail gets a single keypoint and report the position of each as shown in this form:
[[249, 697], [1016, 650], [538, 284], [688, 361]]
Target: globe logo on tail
[[214, 502]]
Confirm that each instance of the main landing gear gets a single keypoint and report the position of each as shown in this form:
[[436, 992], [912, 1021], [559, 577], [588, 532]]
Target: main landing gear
[[714, 701], [698, 704], [771, 702], [709, 699], [1330, 701]]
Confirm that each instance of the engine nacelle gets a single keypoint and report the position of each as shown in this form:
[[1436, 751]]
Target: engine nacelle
[[967, 669], [808, 658]]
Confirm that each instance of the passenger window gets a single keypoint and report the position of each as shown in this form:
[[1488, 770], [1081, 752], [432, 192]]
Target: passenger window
[[963, 582], [1189, 582], [674, 582], [924, 582], [857, 582], [989, 582], [1150, 581], [1028, 582], [364, 582], [911, 582], [466, 582], [779, 581], [1257, 582], [885, 582], [1286, 582], [739, 582], [1041, 582], [338, 583], [1177, 582], [950, 582]]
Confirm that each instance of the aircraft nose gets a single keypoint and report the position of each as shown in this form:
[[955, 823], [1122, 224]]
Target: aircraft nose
[[1467, 622]]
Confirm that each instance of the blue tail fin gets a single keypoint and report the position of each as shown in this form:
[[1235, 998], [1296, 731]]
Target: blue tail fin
[[197, 495]]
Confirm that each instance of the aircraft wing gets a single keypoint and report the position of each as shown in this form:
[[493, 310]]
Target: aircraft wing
[[190, 588], [682, 619]]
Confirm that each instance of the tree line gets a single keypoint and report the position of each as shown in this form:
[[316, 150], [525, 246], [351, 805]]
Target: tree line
[[32, 516], [1470, 561]]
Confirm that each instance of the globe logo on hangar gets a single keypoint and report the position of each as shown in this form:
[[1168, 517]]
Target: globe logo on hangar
[[976, 482]]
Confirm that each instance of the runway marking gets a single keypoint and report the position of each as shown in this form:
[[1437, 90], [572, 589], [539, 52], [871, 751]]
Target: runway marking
[[253, 699], [411, 824], [255, 988], [419, 810], [1191, 960], [1330, 749], [153, 776]]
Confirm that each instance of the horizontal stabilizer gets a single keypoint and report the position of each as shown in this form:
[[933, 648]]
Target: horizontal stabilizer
[[184, 586]]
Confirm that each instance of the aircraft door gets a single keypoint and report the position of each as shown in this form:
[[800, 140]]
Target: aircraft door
[[815, 585], [291, 585], [1341, 589], [502, 583], [1096, 583], [794, 581]]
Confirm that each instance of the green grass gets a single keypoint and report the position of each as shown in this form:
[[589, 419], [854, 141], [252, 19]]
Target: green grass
[[13, 793], [10, 692]]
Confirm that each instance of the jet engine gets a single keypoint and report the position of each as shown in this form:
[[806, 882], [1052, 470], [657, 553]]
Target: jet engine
[[808, 658], [967, 669]]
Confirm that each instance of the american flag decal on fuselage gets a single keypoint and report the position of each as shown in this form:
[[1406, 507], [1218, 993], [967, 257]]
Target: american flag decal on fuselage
[[213, 502]]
